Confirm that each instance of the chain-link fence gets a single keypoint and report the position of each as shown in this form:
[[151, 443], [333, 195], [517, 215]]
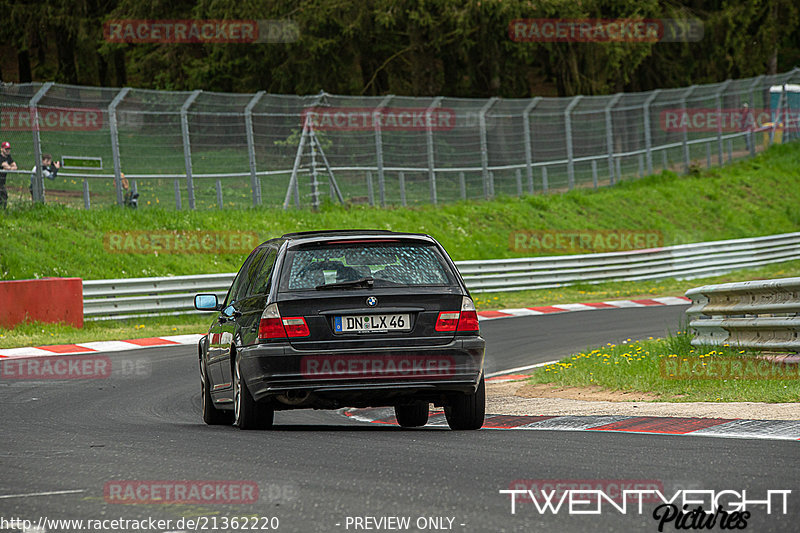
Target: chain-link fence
[[201, 150]]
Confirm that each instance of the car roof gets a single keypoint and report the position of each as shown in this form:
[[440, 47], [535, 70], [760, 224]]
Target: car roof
[[307, 237]]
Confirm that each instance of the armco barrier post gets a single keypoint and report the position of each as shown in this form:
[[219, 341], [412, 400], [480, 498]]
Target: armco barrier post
[[488, 188], [610, 135], [255, 183], [38, 185], [568, 133], [526, 121], [187, 149], [648, 138], [376, 120], [431, 155], [113, 130]]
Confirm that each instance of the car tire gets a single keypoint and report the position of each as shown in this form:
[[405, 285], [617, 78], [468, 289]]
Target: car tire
[[412, 415], [467, 411], [247, 413], [211, 415]]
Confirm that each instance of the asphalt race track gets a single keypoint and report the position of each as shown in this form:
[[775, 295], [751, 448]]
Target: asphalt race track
[[320, 471]]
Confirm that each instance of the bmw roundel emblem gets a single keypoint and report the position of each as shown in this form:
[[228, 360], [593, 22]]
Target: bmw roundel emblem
[[372, 301]]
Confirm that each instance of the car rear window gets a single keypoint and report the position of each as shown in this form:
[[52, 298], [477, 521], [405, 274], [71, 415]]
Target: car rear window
[[388, 264]]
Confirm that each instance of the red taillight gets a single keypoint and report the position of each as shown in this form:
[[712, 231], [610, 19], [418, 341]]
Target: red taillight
[[296, 327], [447, 321], [270, 325], [465, 320], [271, 328], [468, 321]]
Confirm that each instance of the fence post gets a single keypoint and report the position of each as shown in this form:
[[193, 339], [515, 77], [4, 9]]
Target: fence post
[[568, 133], [488, 188], [594, 173], [686, 157], [38, 185], [648, 137], [370, 193], [750, 137], [112, 126], [610, 135], [86, 201], [402, 178], [255, 184], [376, 114], [518, 173], [187, 150], [526, 121], [786, 118], [314, 184], [545, 185], [429, 134], [462, 185], [718, 96]]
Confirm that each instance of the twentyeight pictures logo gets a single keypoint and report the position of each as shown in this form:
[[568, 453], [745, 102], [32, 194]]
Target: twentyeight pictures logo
[[680, 509], [200, 31]]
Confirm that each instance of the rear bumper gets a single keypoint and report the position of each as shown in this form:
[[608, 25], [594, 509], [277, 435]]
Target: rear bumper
[[363, 377]]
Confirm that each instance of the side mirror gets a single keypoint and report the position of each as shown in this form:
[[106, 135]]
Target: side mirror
[[206, 302]]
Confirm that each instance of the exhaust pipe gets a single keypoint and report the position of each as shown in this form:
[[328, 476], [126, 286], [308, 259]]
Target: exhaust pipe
[[295, 398]]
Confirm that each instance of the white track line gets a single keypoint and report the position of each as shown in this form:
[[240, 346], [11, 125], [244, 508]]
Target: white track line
[[50, 493], [520, 368]]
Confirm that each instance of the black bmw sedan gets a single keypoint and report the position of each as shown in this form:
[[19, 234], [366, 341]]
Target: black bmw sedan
[[332, 319]]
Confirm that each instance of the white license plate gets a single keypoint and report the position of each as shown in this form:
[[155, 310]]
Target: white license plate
[[345, 324]]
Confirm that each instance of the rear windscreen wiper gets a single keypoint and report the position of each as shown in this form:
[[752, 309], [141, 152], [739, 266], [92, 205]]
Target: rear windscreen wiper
[[362, 282]]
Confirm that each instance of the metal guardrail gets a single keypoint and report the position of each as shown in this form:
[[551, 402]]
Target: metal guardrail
[[120, 298], [758, 315]]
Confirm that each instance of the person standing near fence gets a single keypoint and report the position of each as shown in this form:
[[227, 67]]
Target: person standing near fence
[[6, 163], [49, 171]]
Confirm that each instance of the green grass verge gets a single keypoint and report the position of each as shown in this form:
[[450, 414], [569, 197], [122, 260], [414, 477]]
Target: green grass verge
[[749, 198], [675, 371]]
